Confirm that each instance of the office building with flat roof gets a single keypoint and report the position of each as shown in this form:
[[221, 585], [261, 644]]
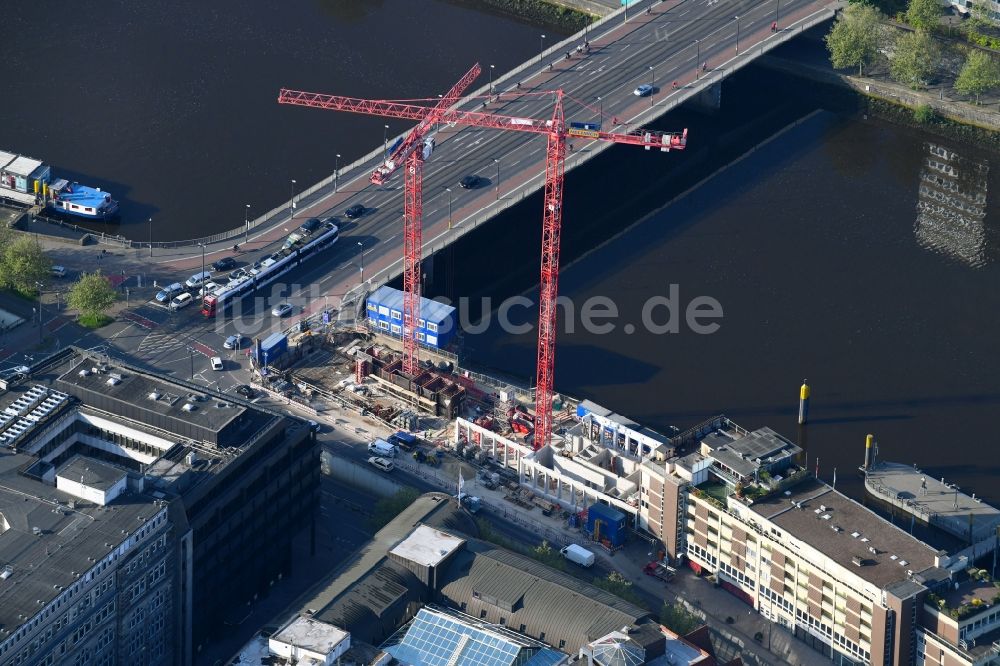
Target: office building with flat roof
[[136, 510]]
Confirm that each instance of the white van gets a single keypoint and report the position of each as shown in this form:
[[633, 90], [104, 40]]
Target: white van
[[181, 301], [383, 464], [382, 448], [198, 279]]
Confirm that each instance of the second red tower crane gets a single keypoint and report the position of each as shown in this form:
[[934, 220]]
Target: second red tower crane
[[556, 131]]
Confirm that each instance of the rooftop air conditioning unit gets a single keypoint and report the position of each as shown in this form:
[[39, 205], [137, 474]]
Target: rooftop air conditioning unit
[[113, 381], [153, 395], [84, 373], [188, 407]]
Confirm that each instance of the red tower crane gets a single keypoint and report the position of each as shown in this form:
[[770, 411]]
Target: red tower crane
[[556, 131]]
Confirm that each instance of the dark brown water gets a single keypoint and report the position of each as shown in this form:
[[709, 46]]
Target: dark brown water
[[855, 253], [172, 106]]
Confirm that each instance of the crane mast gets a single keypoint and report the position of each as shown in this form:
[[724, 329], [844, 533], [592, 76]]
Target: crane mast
[[410, 150]]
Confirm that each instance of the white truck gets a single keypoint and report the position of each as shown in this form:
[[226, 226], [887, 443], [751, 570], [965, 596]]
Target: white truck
[[578, 555], [382, 449]]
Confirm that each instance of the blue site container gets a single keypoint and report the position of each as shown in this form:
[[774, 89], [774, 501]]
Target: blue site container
[[608, 522], [271, 349]]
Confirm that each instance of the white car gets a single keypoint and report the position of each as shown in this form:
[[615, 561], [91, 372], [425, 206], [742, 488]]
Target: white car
[[181, 301], [382, 464], [198, 279], [58, 271], [281, 310], [216, 362], [207, 289]]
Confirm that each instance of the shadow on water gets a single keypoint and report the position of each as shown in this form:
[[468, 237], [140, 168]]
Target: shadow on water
[[855, 252]]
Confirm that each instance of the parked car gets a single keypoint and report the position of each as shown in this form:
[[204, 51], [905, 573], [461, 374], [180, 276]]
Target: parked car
[[168, 292], [237, 274], [357, 210], [15, 372], [281, 310], [311, 225], [225, 264], [469, 182], [644, 90], [246, 391], [381, 464], [58, 271], [207, 289], [216, 362], [233, 342], [198, 279], [181, 301]]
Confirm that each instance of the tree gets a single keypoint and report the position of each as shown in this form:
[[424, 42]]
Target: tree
[[388, 508], [676, 618], [914, 59], [979, 74], [23, 264], [855, 38], [91, 295], [619, 586], [923, 14], [549, 556], [979, 16]]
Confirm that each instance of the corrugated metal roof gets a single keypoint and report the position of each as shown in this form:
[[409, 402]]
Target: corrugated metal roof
[[393, 299], [594, 408], [22, 166], [549, 602]]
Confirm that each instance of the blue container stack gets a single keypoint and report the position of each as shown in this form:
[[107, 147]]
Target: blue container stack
[[609, 523]]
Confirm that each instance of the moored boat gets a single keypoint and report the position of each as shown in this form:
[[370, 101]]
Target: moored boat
[[81, 201]]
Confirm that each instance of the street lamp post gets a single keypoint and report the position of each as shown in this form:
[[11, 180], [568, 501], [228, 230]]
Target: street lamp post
[[202, 246], [450, 199], [697, 59], [151, 237], [600, 118], [777, 7], [336, 173], [492, 67], [737, 18], [497, 160], [291, 207], [246, 222], [40, 315], [626, 11], [361, 245], [385, 144], [191, 357], [652, 79], [541, 47]]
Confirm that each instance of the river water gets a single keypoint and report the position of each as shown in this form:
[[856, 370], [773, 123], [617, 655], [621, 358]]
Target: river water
[[173, 106], [848, 251]]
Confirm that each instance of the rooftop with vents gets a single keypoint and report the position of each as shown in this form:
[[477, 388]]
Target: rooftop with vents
[[847, 532]]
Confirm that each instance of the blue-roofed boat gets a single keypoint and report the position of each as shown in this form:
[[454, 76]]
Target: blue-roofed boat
[[81, 201]]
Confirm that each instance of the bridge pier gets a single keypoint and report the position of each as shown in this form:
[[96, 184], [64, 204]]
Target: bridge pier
[[708, 98]]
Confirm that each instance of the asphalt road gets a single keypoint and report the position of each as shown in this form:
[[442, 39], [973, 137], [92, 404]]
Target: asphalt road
[[665, 45]]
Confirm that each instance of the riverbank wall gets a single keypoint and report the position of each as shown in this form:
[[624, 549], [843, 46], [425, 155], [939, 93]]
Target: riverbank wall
[[896, 102]]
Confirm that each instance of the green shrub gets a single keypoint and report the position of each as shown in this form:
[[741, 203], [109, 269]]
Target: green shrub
[[924, 114]]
